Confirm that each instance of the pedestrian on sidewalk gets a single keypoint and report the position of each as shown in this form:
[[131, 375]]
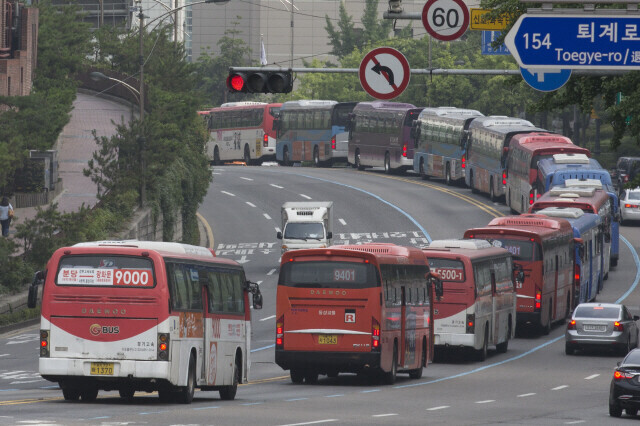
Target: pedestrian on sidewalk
[[6, 213]]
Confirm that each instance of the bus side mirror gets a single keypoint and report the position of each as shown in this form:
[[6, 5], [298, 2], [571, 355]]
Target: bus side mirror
[[32, 299], [279, 235], [329, 235], [435, 280], [257, 300], [254, 288], [636, 318]]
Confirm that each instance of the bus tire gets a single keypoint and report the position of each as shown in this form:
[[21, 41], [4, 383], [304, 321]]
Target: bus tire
[[228, 393], [546, 329], [492, 192], [482, 352], [311, 377], [165, 395], [447, 176], [89, 395], [390, 377], [297, 375], [127, 393], [614, 261], [423, 174], [358, 164], [417, 373], [216, 157], [504, 346], [285, 157], [316, 157], [186, 392], [247, 155], [471, 184], [71, 394], [387, 163]]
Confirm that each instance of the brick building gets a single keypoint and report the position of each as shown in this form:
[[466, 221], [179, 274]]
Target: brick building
[[18, 47]]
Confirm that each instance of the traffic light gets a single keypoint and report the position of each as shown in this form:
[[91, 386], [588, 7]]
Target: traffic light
[[260, 82]]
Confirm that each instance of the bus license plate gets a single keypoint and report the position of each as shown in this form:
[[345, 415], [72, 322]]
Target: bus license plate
[[102, 369], [330, 339]]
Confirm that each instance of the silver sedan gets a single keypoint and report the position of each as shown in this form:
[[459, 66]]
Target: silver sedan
[[630, 205], [604, 325]]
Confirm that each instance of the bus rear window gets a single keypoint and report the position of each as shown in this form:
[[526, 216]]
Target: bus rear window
[[520, 249], [105, 270], [448, 269], [329, 275]]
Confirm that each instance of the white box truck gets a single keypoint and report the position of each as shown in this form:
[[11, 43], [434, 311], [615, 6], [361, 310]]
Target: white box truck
[[306, 224]]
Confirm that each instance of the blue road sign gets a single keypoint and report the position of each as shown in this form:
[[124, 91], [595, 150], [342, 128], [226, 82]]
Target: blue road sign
[[576, 41], [545, 80], [487, 38]]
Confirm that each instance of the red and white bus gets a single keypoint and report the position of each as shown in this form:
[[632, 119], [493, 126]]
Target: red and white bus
[[144, 316], [242, 131], [478, 305], [543, 248], [525, 150], [359, 309]]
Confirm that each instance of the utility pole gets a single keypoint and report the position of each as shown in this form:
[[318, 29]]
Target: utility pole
[[141, 139], [291, 62]]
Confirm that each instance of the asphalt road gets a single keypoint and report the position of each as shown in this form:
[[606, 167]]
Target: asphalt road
[[533, 383]]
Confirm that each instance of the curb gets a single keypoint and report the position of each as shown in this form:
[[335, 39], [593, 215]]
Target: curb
[[19, 325]]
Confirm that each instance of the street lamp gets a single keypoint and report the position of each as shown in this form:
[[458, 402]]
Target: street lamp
[[98, 76]]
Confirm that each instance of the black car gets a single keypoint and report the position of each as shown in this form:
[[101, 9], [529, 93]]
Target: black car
[[626, 170], [625, 386]]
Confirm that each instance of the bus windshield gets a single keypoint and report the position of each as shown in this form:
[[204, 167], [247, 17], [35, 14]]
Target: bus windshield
[[105, 270], [341, 114], [329, 274], [303, 231], [448, 269], [521, 250]]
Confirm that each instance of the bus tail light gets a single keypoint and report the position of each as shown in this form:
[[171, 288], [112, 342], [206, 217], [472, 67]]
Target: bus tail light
[[571, 325], [538, 299], [532, 197], [265, 140], [163, 346], [44, 343], [333, 143], [375, 335], [470, 324], [404, 150], [576, 275], [504, 177], [463, 161], [280, 333], [617, 326]]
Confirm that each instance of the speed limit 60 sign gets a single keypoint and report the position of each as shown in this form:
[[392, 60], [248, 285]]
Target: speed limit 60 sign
[[445, 20]]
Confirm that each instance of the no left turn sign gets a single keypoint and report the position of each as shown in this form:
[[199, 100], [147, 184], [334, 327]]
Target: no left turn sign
[[445, 20], [384, 73]]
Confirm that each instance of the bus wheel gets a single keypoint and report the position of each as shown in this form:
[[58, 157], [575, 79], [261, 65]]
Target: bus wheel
[[127, 393], [228, 393], [504, 346], [88, 395], [297, 376], [316, 157], [567, 313], [417, 373], [447, 176], [247, 155], [332, 373], [390, 377], [387, 163], [216, 157], [423, 174], [358, 164], [472, 184], [311, 377], [614, 261], [165, 395], [285, 157], [482, 352], [71, 394], [546, 329], [186, 392], [492, 192]]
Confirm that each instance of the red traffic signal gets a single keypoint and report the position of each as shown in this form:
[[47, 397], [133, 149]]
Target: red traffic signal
[[260, 82]]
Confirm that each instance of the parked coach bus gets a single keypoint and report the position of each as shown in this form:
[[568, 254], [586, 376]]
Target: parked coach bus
[[361, 308], [589, 254], [525, 150], [242, 131], [487, 149], [589, 200], [314, 131], [544, 248], [380, 135], [441, 138], [144, 316], [478, 304], [583, 172]]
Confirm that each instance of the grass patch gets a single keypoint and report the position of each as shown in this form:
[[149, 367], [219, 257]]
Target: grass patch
[[19, 316]]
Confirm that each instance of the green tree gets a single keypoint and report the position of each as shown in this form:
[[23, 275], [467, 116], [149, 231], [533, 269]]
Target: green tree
[[342, 39]]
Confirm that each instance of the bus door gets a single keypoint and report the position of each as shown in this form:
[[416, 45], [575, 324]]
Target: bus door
[[555, 288], [213, 303], [404, 344], [494, 308], [592, 279]]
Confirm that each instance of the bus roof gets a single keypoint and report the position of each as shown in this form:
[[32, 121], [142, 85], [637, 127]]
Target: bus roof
[[451, 112], [460, 244], [373, 252], [585, 183], [240, 104], [542, 137], [502, 123], [472, 249], [539, 143], [580, 220], [571, 158], [376, 105], [163, 248], [308, 103], [527, 224], [579, 197]]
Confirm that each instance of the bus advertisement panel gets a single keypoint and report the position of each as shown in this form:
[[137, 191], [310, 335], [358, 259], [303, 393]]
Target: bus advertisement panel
[[525, 150], [310, 130], [242, 131], [589, 255], [380, 135], [139, 315], [543, 248], [361, 308], [487, 149], [478, 304], [441, 136]]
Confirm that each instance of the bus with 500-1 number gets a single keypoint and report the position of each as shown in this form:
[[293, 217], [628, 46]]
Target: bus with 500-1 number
[[144, 316]]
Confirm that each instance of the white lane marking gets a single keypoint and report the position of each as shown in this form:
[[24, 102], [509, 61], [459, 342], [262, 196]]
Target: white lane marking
[[253, 403], [214, 173], [526, 394], [574, 422], [271, 272], [250, 204], [268, 318], [384, 415], [441, 407], [369, 391], [245, 178], [228, 193], [560, 387], [266, 216], [312, 423], [25, 381], [593, 376], [305, 196], [334, 396], [295, 399], [1, 355], [278, 229], [276, 186], [206, 408], [342, 222], [486, 401]]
